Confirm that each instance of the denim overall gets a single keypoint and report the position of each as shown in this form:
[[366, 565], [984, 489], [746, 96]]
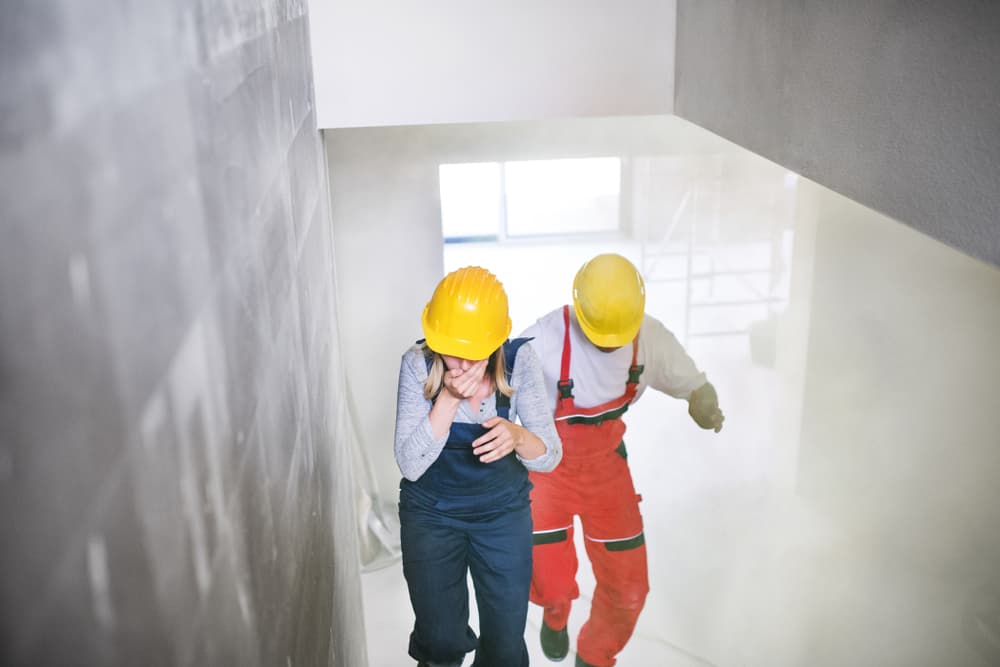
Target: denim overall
[[465, 516]]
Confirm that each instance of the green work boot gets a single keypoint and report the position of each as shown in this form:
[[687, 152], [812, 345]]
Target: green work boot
[[555, 643]]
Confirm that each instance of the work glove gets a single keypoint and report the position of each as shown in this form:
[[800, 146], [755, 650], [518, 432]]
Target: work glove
[[703, 406]]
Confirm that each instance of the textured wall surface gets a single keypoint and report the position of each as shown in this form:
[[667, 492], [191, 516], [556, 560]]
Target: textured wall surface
[[173, 488], [894, 104]]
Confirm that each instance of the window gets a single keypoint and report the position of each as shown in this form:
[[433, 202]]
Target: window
[[471, 200], [496, 200]]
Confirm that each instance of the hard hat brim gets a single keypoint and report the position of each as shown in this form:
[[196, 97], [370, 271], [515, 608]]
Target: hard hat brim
[[473, 350], [617, 339]]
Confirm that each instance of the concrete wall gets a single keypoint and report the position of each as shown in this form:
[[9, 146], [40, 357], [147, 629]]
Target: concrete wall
[[174, 485], [893, 104], [393, 62]]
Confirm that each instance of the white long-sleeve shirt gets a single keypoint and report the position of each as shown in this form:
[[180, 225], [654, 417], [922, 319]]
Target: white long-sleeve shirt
[[599, 376], [416, 447]]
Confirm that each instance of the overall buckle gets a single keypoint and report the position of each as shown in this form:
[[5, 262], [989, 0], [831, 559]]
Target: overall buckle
[[565, 388]]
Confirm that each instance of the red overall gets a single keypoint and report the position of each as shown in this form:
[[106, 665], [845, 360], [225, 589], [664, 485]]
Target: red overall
[[594, 482]]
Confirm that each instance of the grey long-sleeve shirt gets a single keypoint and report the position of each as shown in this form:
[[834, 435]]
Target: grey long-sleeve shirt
[[417, 448]]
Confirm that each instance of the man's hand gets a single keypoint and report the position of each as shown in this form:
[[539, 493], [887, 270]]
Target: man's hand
[[703, 406], [499, 441]]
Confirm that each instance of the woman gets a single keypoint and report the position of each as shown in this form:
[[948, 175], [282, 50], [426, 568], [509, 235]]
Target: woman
[[463, 500]]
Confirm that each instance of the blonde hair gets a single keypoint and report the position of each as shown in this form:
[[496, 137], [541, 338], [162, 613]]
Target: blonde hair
[[494, 370]]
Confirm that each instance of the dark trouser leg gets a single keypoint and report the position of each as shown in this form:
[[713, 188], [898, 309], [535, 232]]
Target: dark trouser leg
[[500, 562], [434, 565]]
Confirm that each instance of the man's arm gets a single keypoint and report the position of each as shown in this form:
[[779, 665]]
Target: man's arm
[[671, 370]]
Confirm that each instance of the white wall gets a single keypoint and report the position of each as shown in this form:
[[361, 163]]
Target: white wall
[[388, 250], [391, 62], [388, 243]]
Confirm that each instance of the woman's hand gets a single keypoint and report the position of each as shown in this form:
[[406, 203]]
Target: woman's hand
[[463, 384], [502, 438]]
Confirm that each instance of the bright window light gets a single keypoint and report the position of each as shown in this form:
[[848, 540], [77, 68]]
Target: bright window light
[[470, 200], [562, 196], [493, 200]]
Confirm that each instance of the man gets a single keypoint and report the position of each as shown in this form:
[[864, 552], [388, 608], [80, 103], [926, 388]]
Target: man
[[597, 358]]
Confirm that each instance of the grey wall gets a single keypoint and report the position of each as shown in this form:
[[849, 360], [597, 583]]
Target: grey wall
[[173, 488], [894, 104]]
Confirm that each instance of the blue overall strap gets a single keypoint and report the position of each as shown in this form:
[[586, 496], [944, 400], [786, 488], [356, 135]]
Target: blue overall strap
[[510, 349]]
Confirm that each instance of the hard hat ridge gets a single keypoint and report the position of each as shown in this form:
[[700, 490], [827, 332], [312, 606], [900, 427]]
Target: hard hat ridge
[[609, 299], [467, 315]]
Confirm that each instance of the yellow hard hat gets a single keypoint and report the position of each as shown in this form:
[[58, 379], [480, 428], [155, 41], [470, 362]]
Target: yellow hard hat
[[467, 315], [609, 299]]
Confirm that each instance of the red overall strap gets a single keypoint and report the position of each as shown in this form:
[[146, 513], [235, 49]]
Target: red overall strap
[[566, 408], [564, 371], [564, 399]]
